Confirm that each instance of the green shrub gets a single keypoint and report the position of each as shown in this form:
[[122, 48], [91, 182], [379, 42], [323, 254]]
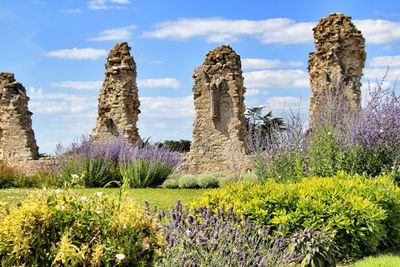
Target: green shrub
[[208, 181], [10, 177], [363, 214], [171, 183], [188, 181], [144, 173], [204, 181], [62, 229]]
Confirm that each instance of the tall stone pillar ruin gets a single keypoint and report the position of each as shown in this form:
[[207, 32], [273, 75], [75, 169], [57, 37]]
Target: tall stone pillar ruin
[[17, 139], [336, 66], [219, 130], [118, 106]]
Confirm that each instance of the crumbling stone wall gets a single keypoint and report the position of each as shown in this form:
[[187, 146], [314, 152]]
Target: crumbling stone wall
[[219, 130], [17, 139], [336, 66], [118, 107]]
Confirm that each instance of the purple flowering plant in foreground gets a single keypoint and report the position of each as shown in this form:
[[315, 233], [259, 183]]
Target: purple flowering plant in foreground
[[202, 237]]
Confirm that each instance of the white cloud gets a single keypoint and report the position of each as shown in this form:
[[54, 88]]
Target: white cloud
[[279, 30], [268, 31], [167, 107], [384, 61], [276, 79], [72, 11], [158, 83], [258, 63], [379, 31], [95, 85], [77, 53], [376, 74], [61, 103], [286, 104], [78, 85], [252, 92], [114, 34], [107, 4]]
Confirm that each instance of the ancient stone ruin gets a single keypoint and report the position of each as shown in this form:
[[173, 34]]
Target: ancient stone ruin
[[336, 66], [17, 139], [118, 102], [219, 130]]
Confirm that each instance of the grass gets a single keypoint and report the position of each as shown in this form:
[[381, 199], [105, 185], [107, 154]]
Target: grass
[[162, 198], [388, 260]]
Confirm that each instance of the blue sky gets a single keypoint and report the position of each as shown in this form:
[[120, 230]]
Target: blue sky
[[57, 50]]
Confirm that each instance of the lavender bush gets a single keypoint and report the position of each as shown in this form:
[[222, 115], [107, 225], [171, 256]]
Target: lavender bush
[[281, 157], [96, 163], [203, 238], [364, 142]]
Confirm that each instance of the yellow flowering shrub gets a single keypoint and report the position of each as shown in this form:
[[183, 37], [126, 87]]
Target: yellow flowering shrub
[[64, 229], [363, 214]]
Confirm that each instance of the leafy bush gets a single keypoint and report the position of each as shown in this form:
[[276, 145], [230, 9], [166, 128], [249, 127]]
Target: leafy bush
[[281, 158], [143, 173], [178, 146], [188, 181], [63, 229], [202, 237], [171, 183], [363, 214], [9, 177], [206, 180]]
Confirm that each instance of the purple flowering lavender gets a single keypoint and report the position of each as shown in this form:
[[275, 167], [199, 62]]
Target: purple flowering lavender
[[100, 162], [364, 141], [201, 237]]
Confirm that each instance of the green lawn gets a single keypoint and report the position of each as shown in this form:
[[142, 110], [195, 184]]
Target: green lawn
[[162, 198], [389, 260]]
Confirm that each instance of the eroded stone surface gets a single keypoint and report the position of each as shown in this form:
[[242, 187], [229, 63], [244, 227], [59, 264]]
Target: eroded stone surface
[[17, 139], [219, 130], [336, 66], [118, 106]]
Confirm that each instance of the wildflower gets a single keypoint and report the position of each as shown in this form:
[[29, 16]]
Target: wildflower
[[120, 256], [99, 212], [74, 176], [57, 191], [44, 188], [62, 207], [146, 246], [329, 133], [84, 199], [189, 233], [99, 194], [124, 226]]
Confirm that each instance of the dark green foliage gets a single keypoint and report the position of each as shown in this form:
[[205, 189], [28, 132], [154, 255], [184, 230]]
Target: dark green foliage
[[178, 146]]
